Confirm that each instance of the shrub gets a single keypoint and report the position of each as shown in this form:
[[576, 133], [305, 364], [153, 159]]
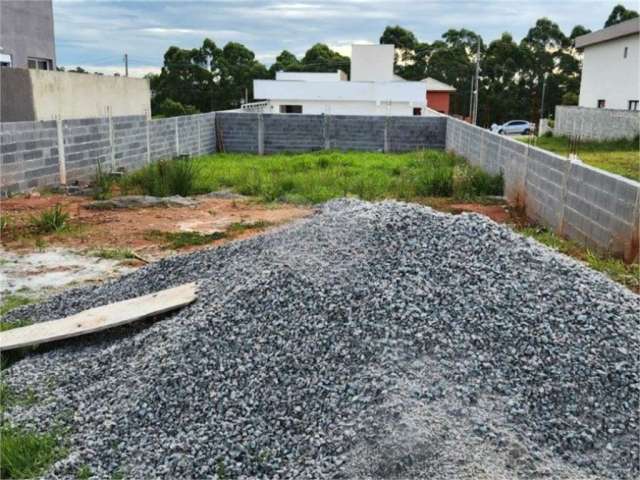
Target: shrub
[[164, 178], [52, 220], [4, 224], [102, 183]]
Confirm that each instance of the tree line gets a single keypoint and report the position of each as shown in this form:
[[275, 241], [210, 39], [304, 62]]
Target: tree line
[[512, 74]]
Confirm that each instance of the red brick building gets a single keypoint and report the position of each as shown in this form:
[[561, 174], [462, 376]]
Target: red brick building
[[438, 95]]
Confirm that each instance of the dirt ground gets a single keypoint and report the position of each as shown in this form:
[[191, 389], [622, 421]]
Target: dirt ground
[[128, 228]]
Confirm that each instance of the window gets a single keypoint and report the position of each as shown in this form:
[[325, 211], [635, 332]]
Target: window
[[39, 63], [290, 108], [633, 105], [417, 112], [5, 60], [601, 103], [626, 51]]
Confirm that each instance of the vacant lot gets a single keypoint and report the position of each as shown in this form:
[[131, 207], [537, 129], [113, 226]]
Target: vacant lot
[[621, 157], [320, 176]]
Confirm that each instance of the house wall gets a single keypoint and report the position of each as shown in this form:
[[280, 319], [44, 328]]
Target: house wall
[[26, 29], [79, 95], [348, 108], [438, 101], [313, 76], [372, 63], [607, 75]]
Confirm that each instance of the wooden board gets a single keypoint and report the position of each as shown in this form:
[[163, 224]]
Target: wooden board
[[99, 318]]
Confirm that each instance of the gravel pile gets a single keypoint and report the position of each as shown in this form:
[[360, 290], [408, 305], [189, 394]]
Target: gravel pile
[[372, 340]]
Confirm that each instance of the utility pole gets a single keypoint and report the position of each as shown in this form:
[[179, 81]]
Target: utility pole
[[476, 86], [126, 65], [544, 90], [471, 98]]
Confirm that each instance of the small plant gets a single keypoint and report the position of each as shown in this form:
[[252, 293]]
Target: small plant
[[240, 227], [55, 219], [26, 454], [102, 183], [84, 473], [10, 302], [177, 240], [4, 224], [4, 326], [164, 178], [114, 254]]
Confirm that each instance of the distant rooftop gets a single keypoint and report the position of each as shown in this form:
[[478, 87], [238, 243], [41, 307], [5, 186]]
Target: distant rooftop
[[622, 29], [434, 85]]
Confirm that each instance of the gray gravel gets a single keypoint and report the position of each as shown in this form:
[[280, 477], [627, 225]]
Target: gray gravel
[[372, 340]]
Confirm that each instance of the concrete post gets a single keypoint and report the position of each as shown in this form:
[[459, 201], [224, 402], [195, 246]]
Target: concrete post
[[111, 141], [260, 134], [176, 128], [563, 206], [61, 158], [325, 132], [199, 136], [148, 125], [386, 135]]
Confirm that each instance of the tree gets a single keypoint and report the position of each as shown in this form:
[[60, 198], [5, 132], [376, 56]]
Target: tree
[[570, 98], [171, 108], [619, 14], [320, 58], [399, 37], [286, 61]]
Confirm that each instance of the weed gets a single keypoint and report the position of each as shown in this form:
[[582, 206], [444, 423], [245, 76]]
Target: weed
[[240, 227], [620, 272], [5, 223], [177, 240], [12, 301], [114, 253], [164, 178], [40, 244], [102, 183], [26, 454], [4, 326], [54, 219], [84, 473]]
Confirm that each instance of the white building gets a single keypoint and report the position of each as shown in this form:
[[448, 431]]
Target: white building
[[372, 90], [611, 66]]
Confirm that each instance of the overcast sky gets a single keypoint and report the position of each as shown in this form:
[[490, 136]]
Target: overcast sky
[[95, 33]]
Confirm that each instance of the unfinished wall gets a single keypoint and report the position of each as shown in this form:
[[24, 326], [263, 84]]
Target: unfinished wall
[[30, 151], [272, 133], [585, 204], [596, 123]]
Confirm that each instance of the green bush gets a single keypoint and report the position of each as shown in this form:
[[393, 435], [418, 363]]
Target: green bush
[[164, 178], [52, 220]]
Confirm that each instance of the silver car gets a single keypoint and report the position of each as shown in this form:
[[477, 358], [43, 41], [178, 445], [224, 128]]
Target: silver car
[[514, 127]]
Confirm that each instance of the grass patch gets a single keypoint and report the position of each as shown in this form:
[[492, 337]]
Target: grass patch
[[177, 240], [241, 227], [4, 326], [316, 177], [620, 272], [24, 453], [54, 219], [163, 178], [621, 157], [114, 253], [9, 302]]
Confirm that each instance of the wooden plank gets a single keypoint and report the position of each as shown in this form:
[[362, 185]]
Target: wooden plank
[[99, 318]]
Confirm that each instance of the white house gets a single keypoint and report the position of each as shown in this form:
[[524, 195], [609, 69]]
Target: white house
[[611, 66], [372, 90]]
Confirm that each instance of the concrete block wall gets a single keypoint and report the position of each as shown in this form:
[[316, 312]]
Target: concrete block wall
[[29, 151], [28, 155], [596, 123], [596, 208], [273, 133]]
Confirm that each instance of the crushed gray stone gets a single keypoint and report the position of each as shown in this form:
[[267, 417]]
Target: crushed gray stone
[[141, 201], [373, 340]]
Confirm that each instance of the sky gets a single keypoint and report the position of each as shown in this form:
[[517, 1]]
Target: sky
[[95, 34]]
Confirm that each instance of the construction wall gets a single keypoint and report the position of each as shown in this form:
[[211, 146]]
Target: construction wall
[[596, 123], [272, 133], [593, 207], [50, 153]]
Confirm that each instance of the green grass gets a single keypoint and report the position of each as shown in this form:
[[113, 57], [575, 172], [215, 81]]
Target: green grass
[[320, 176], [114, 253], [9, 302], [616, 156], [24, 453], [84, 473], [177, 240], [241, 227], [623, 273], [4, 326]]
